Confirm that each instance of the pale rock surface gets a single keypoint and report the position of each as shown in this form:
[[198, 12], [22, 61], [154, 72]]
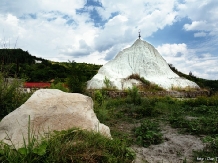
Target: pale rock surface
[[49, 110], [142, 59]]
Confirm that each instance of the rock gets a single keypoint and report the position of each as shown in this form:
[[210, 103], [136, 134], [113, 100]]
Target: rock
[[142, 59], [49, 110]]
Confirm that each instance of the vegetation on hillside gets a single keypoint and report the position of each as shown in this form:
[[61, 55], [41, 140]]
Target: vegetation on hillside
[[212, 85], [22, 64], [145, 84]]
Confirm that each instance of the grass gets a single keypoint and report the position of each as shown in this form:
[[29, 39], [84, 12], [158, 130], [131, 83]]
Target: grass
[[73, 145], [148, 133], [133, 121], [192, 116], [11, 96]]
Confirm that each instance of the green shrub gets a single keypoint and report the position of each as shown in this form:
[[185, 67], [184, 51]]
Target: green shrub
[[134, 95], [11, 95], [146, 84], [211, 148], [72, 145], [144, 81], [145, 109], [59, 86], [98, 97], [102, 113], [207, 101], [148, 133], [212, 144], [112, 103], [134, 76], [75, 84], [107, 83]]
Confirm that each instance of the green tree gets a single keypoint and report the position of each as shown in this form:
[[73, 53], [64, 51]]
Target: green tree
[[76, 81], [134, 95]]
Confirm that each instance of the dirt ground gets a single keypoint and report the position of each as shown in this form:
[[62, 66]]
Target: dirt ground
[[176, 148]]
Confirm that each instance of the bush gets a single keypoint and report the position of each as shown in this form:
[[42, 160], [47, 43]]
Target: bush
[[59, 86], [134, 76], [211, 148], [134, 95], [72, 145], [145, 109], [98, 97], [107, 83], [146, 84], [212, 144], [11, 95], [75, 84], [142, 79], [148, 133]]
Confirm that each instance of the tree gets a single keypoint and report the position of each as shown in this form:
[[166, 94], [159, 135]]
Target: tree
[[76, 81]]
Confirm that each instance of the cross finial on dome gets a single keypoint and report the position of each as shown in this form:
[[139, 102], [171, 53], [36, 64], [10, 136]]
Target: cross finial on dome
[[139, 33]]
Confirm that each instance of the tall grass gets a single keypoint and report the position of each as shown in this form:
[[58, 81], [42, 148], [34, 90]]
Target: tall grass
[[61, 86], [134, 96], [73, 145], [11, 95]]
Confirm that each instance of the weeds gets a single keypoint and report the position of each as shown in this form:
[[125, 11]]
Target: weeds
[[107, 83], [133, 95], [59, 86], [195, 116], [148, 133], [146, 84], [31, 151], [192, 116], [11, 95], [99, 98], [67, 146]]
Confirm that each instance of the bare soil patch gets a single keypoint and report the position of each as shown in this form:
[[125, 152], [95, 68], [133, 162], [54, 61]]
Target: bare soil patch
[[176, 148]]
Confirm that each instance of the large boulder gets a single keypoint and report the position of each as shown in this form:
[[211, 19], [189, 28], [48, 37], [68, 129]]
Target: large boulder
[[141, 59], [49, 110]]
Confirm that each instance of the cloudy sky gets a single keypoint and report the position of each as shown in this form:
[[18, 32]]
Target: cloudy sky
[[185, 32]]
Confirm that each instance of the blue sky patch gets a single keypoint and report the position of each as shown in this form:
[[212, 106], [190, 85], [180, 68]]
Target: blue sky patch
[[93, 3], [174, 33]]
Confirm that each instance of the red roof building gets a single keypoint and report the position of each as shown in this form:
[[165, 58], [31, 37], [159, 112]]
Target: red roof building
[[36, 85]]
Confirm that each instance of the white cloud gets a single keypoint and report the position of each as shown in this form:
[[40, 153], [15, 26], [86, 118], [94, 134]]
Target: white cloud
[[20, 7], [55, 30], [200, 34], [43, 30], [203, 15], [172, 49], [203, 65], [198, 25]]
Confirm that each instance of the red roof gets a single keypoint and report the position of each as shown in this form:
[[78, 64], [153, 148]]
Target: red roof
[[36, 85]]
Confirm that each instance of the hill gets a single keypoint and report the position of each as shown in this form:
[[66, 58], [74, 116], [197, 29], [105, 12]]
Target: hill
[[23, 65]]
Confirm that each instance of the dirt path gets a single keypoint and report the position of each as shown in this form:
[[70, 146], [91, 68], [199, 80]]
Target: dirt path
[[175, 149]]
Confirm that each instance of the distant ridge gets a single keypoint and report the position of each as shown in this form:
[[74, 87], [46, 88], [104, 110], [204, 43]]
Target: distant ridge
[[8, 56]]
